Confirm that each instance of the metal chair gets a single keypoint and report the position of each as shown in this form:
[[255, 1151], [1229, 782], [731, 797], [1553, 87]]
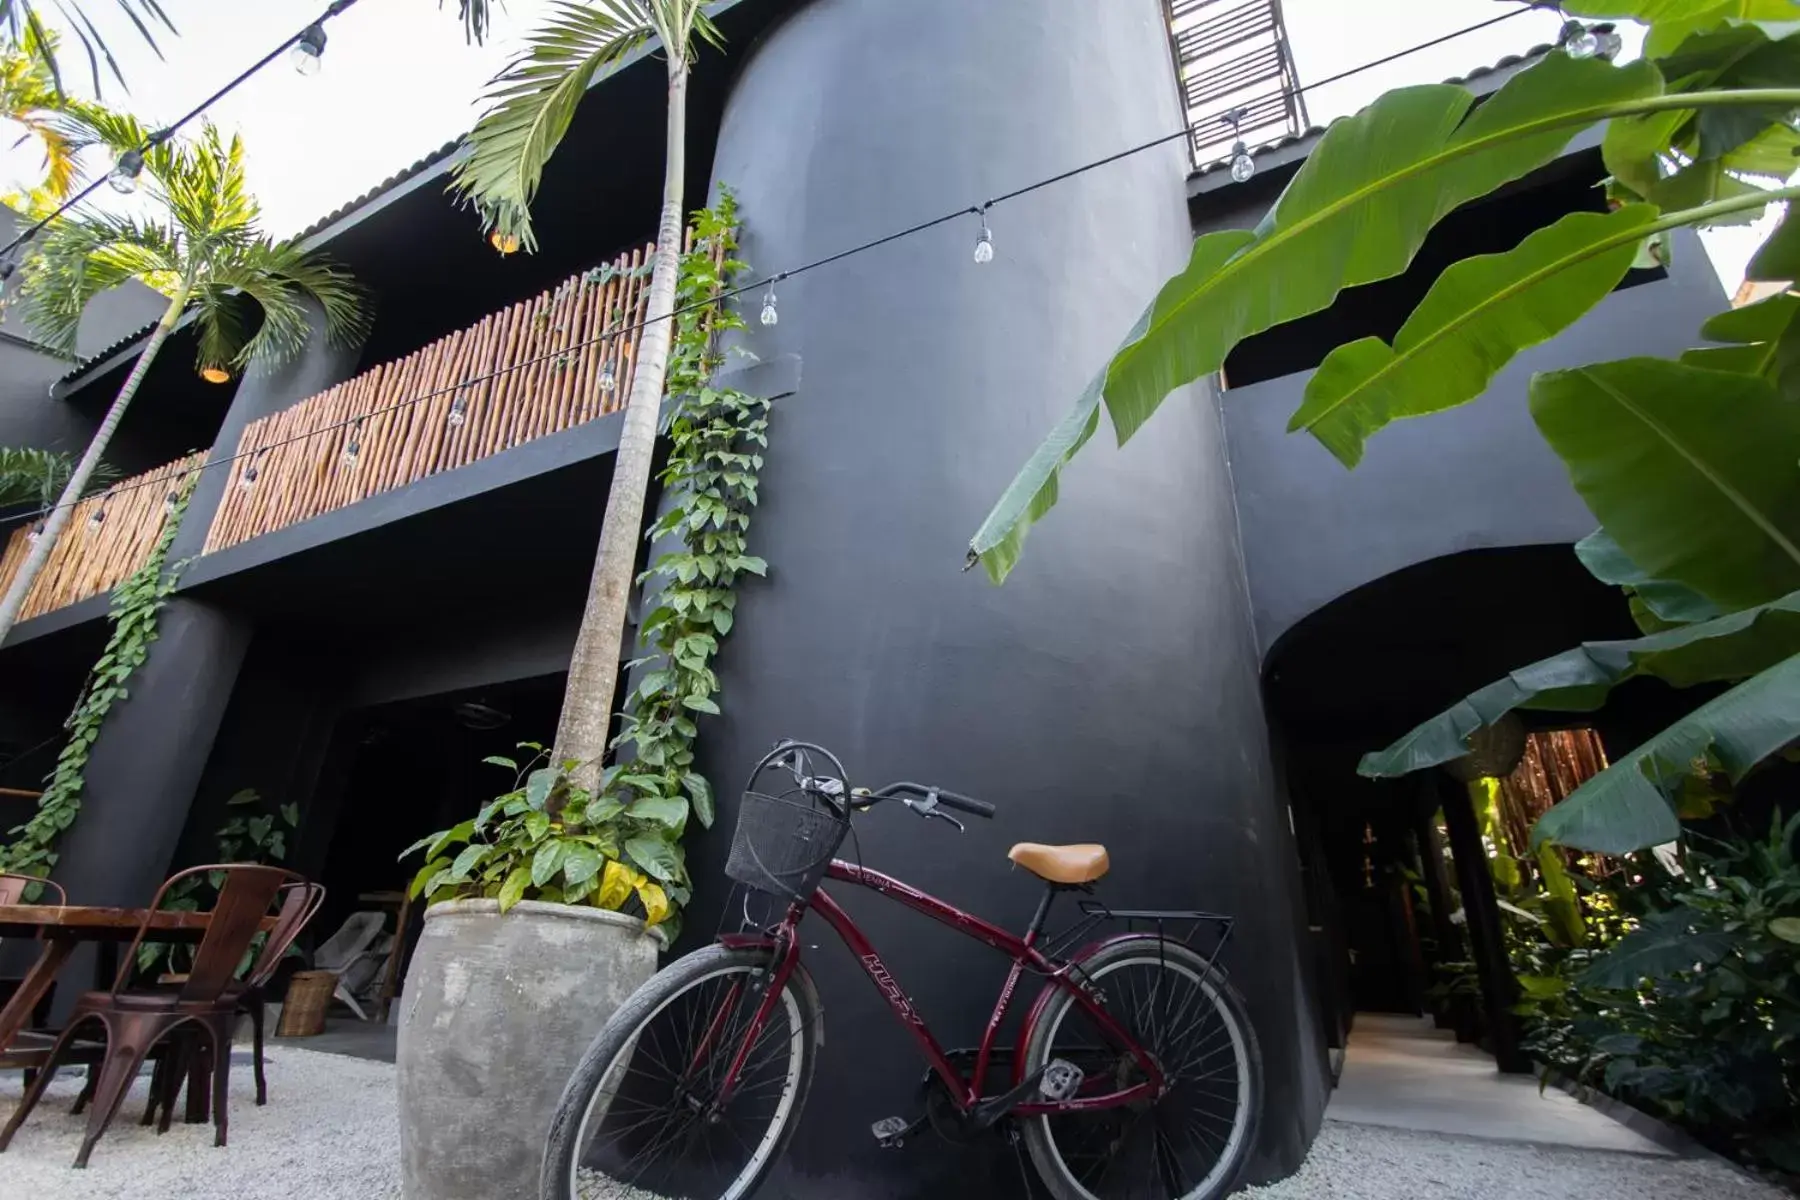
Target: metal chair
[[13, 889], [135, 1022]]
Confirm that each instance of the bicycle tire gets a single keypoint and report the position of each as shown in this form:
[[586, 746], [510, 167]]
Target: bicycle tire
[[604, 1056], [1041, 1142]]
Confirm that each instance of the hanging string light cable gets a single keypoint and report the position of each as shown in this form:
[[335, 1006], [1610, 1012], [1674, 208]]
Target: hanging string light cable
[[766, 284], [123, 176]]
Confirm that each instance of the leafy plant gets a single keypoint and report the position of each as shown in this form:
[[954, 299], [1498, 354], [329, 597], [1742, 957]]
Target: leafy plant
[[21, 25], [1362, 204], [31, 476], [132, 617], [1695, 1014], [550, 837], [253, 832]]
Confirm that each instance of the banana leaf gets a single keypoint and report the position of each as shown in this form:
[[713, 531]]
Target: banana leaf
[[1356, 212], [1731, 647], [1627, 806], [1656, 604], [1479, 314], [1765, 341], [1691, 471]]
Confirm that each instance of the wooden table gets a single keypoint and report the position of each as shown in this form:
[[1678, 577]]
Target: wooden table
[[63, 927]]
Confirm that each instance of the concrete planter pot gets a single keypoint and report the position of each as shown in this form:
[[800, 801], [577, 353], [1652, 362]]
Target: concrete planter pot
[[495, 1014]]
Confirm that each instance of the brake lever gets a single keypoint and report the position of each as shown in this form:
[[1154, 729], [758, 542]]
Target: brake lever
[[928, 808]]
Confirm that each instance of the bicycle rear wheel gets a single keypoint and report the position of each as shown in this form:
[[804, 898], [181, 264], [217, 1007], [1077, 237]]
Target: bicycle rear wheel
[[1191, 1142], [640, 1118]]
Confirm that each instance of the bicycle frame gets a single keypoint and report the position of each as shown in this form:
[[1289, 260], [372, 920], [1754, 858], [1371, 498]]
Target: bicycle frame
[[966, 1092]]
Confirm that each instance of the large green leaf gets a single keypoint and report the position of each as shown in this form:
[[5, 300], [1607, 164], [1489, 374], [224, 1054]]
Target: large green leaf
[[1656, 603], [1626, 807], [1673, 22], [1765, 341], [1729, 647], [1659, 949], [1479, 314], [1356, 212], [1692, 471], [1779, 258]]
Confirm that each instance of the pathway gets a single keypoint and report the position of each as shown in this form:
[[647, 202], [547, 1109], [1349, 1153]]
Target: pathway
[[1418, 1117]]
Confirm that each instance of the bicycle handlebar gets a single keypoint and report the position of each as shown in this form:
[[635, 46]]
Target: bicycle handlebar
[[942, 796]]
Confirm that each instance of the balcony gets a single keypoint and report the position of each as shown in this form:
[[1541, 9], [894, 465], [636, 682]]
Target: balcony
[[519, 374]]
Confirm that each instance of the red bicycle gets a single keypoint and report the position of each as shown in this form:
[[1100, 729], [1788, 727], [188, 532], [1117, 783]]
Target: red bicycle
[[1136, 1070]]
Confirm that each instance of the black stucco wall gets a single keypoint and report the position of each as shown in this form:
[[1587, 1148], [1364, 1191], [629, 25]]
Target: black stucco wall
[[1109, 691]]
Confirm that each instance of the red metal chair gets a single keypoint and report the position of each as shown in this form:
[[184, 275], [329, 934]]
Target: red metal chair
[[13, 889], [134, 1022]]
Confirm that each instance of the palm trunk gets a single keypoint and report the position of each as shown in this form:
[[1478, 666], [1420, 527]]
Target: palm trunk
[[84, 471], [581, 733]]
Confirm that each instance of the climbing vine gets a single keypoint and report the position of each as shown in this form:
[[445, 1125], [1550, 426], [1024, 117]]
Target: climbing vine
[[132, 616], [548, 839]]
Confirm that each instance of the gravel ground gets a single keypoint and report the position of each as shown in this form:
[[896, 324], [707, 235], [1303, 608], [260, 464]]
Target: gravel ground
[[329, 1132], [1365, 1162]]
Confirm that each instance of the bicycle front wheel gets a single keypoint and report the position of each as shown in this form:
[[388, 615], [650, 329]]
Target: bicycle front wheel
[[642, 1118], [1191, 1142]]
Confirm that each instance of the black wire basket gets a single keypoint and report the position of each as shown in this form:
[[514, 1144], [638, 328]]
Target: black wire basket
[[784, 843]]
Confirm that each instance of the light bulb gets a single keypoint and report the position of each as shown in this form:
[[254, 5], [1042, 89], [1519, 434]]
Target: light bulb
[[459, 410], [1578, 41], [37, 531], [505, 243], [984, 246], [98, 519], [124, 174], [351, 451], [769, 315], [1242, 165], [215, 374], [608, 381], [308, 54], [248, 479], [1610, 45], [6, 273], [170, 501]]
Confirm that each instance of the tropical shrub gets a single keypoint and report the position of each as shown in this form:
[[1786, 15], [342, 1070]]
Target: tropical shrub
[[1695, 1014]]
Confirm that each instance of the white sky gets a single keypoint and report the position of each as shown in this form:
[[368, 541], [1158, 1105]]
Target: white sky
[[398, 82]]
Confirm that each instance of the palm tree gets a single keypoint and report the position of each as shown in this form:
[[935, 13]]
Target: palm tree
[[205, 251], [30, 98], [37, 477], [530, 106], [21, 26]]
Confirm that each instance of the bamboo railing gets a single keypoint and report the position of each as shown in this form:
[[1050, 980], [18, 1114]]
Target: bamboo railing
[[108, 536], [366, 436]]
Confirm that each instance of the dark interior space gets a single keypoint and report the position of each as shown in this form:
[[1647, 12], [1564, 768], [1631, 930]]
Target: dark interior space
[[400, 771], [1495, 223], [1366, 668]]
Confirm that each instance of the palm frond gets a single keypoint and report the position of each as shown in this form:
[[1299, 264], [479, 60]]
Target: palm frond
[[29, 97], [532, 102], [89, 252], [32, 476], [279, 278], [21, 25], [476, 16]]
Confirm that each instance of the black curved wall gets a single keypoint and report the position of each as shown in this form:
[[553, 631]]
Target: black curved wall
[[1109, 691]]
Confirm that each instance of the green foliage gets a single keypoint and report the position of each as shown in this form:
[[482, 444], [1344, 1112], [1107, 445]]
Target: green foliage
[[532, 102], [30, 476], [199, 243], [132, 616], [254, 831], [1695, 1013], [1360, 207], [549, 839], [20, 25]]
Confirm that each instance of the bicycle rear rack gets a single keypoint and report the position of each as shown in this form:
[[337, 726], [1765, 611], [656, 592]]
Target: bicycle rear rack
[[1148, 920]]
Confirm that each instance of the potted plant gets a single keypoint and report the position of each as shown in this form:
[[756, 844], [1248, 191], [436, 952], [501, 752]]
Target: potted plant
[[526, 951]]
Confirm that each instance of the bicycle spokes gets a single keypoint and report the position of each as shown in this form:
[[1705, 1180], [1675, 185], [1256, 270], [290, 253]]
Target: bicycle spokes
[[663, 1123]]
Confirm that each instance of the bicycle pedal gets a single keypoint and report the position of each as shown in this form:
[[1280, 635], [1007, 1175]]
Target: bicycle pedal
[[891, 1132], [1061, 1080]]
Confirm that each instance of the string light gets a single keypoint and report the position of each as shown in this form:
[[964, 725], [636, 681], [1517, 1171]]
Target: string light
[[769, 316], [98, 519], [1242, 165], [214, 374], [6, 273], [984, 241], [170, 501], [608, 380], [125, 172], [37, 531], [459, 409], [308, 52], [353, 447], [505, 243]]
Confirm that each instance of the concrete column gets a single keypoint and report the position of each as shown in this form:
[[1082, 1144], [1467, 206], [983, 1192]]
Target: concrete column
[[1109, 692], [145, 765], [262, 391]]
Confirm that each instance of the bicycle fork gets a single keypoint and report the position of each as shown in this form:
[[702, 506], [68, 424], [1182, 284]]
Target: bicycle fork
[[766, 988]]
